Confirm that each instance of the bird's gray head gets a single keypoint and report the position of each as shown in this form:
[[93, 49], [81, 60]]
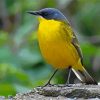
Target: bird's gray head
[[49, 13]]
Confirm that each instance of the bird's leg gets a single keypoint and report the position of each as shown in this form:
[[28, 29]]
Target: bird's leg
[[48, 83], [69, 74]]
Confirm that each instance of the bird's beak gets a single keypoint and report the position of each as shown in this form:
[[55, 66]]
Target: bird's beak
[[34, 12]]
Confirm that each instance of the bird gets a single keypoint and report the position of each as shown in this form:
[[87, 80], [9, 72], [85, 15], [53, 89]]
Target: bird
[[59, 45]]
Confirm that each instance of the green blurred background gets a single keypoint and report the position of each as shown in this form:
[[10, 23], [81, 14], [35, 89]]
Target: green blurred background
[[21, 64]]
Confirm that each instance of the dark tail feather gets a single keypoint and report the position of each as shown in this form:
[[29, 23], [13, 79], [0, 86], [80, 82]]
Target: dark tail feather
[[84, 76]]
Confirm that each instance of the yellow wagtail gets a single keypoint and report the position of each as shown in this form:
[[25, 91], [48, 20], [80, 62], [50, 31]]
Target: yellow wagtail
[[59, 45]]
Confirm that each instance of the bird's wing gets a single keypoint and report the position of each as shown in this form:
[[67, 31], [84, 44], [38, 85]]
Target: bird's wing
[[77, 46], [73, 39]]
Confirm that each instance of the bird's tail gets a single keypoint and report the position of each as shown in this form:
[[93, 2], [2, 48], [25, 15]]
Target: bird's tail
[[84, 76]]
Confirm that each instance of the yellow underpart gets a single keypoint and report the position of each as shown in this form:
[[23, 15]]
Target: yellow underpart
[[55, 39]]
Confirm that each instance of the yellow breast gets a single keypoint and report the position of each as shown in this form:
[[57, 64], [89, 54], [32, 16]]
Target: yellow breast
[[55, 44]]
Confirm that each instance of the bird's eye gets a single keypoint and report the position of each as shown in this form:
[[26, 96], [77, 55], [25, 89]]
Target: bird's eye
[[45, 14]]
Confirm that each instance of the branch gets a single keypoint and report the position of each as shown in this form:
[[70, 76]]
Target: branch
[[60, 92]]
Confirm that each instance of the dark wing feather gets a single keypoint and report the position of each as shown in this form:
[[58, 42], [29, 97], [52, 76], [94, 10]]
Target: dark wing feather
[[70, 33], [77, 46]]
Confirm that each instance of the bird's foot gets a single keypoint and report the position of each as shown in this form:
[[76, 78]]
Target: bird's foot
[[68, 85], [47, 84]]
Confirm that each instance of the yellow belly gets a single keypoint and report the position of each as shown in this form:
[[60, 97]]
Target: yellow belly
[[57, 51], [59, 55]]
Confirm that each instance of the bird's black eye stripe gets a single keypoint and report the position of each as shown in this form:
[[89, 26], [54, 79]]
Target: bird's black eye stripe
[[45, 13]]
